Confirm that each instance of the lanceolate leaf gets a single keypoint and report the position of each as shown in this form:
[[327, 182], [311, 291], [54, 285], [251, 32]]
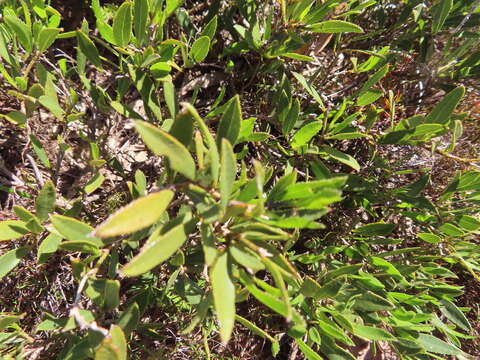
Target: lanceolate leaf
[[307, 350], [441, 11], [223, 295], [45, 201], [227, 172], [88, 48], [22, 31], [455, 315], [335, 26], [47, 37], [162, 143], [305, 134], [113, 347], [140, 16], [10, 259], [209, 139], [138, 215], [12, 229], [341, 157], [443, 110], [372, 333], [158, 249], [435, 345], [122, 24], [74, 230], [230, 122]]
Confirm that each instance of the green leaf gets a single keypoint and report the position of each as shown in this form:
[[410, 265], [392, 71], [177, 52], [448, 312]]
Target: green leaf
[[307, 350], [341, 157], [47, 247], [111, 295], [182, 128], [12, 229], [370, 301], [74, 230], [122, 24], [162, 143], [375, 229], [429, 237], [245, 258], [210, 29], [22, 31], [451, 230], [291, 118], [45, 201], [31, 221], [200, 48], [83, 246], [305, 134], [129, 318], [40, 151], [335, 332], [158, 249], [469, 223], [113, 347], [88, 49], [209, 139], [435, 345], [455, 315], [440, 14], [10, 260], [228, 171], [230, 122], [372, 80], [443, 110], [223, 295], [47, 37], [372, 333], [7, 320], [51, 103], [310, 89], [137, 215], [369, 97], [334, 26], [140, 16], [254, 328], [15, 117], [94, 183], [170, 96], [296, 56]]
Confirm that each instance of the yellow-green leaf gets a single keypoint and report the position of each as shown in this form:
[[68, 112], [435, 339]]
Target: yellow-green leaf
[[122, 24], [74, 230], [10, 259], [47, 37], [22, 31], [223, 296], [162, 143], [335, 26], [137, 215], [200, 47], [227, 172], [113, 346], [45, 201], [158, 249], [88, 48], [12, 229]]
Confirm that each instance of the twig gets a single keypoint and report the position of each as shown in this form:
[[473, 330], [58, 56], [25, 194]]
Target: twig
[[36, 171], [454, 157]]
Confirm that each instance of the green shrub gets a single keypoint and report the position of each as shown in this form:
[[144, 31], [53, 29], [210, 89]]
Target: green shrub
[[232, 219]]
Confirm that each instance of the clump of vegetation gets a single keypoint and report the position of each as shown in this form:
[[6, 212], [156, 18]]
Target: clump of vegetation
[[239, 179]]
